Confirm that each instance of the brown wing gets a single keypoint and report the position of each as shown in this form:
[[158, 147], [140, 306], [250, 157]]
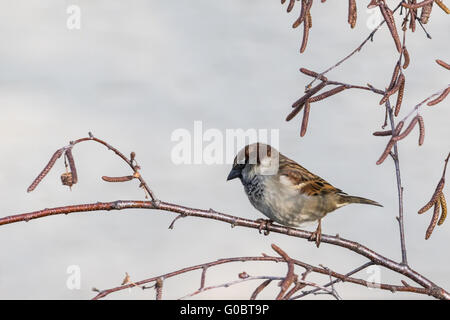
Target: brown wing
[[307, 182]]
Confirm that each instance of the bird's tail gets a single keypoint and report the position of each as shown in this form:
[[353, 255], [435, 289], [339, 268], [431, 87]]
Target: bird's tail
[[352, 199]]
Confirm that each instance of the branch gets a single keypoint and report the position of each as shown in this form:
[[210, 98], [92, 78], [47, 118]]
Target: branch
[[234, 221], [370, 37], [245, 277]]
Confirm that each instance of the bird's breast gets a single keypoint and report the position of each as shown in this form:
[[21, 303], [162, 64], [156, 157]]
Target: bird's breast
[[283, 203]]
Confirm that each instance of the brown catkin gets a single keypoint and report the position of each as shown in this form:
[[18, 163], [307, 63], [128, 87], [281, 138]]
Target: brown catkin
[[443, 209], [425, 208], [407, 131], [46, 169], [382, 133], [308, 94], [399, 127], [421, 130], [313, 74], [327, 94], [301, 18], [400, 79], [72, 166], [412, 14], [434, 198], [305, 33], [305, 119], [434, 220], [294, 112], [390, 21], [117, 179], [260, 288], [443, 64], [440, 98], [394, 76], [290, 5], [407, 59], [386, 152], [352, 13], [442, 6], [401, 90]]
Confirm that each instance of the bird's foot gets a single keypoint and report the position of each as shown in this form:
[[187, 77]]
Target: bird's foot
[[317, 235], [264, 224]]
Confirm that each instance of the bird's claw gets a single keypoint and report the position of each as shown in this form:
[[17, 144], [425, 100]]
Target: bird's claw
[[317, 235], [264, 224]]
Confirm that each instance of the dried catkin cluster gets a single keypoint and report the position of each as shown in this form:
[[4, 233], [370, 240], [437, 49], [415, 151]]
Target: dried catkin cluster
[[413, 14], [305, 17], [398, 84], [426, 7], [305, 101], [439, 203], [70, 177]]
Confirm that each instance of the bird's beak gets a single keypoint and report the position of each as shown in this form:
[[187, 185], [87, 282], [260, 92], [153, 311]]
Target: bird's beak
[[234, 173]]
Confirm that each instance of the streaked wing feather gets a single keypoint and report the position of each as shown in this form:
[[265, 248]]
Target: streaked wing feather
[[307, 182]]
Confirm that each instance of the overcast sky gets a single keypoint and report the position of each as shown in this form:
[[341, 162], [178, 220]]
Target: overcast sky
[[135, 72]]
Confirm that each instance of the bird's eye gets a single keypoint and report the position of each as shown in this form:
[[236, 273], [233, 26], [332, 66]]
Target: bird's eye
[[239, 166]]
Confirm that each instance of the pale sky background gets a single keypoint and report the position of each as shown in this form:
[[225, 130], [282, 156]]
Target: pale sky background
[[138, 70]]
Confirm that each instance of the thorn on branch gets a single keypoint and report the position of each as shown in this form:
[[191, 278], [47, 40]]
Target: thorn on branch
[[203, 278], [174, 220]]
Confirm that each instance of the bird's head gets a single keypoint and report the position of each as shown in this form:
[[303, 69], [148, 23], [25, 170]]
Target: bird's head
[[254, 159]]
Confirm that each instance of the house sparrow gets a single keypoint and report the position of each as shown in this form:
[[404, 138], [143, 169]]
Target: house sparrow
[[286, 192]]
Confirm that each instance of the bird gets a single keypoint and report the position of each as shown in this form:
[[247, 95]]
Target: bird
[[286, 192]]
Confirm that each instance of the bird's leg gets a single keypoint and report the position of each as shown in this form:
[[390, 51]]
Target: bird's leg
[[317, 235], [264, 224]]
